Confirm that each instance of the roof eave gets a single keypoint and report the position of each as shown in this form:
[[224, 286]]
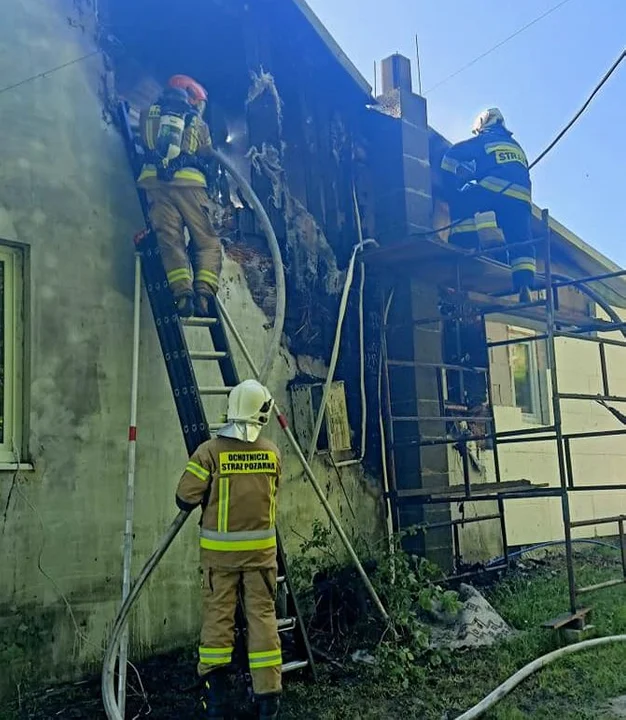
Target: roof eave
[[591, 262], [334, 47]]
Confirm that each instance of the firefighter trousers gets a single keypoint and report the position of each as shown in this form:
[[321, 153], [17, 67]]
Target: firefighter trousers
[[219, 602], [514, 219], [171, 208]]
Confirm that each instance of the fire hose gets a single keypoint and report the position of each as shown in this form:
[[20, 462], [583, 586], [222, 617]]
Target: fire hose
[[509, 685]]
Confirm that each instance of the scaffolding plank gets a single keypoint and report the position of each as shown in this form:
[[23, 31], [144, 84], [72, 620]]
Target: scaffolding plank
[[476, 489], [569, 318], [577, 618], [428, 258]]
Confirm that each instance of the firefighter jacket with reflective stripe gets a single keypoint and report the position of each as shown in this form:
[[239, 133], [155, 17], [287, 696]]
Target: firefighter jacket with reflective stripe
[[498, 161], [196, 136], [236, 483]]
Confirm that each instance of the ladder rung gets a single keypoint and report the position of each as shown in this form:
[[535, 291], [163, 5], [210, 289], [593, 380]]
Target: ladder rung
[[199, 322], [294, 665], [285, 624], [216, 426], [280, 579], [208, 355], [217, 390]]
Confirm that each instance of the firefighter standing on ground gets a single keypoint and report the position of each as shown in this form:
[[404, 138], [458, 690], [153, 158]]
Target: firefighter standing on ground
[[235, 478], [176, 140], [490, 172]]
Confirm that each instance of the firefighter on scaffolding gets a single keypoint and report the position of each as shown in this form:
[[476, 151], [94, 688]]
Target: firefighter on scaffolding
[[235, 478], [176, 141], [490, 172]]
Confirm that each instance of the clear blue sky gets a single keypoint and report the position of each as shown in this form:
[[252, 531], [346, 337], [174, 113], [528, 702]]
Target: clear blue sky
[[539, 79]]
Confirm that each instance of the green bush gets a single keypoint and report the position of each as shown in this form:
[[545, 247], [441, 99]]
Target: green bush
[[407, 586]]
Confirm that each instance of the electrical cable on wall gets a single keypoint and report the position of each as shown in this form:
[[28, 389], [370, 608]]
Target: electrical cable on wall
[[47, 72]]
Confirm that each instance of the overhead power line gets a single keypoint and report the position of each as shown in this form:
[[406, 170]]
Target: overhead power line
[[497, 46], [586, 104]]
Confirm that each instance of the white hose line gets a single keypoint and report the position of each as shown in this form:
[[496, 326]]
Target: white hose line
[[508, 685], [251, 198], [359, 460], [334, 357], [383, 446]]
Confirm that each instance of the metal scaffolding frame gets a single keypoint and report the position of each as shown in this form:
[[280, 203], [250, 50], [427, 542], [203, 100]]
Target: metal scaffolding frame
[[555, 324]]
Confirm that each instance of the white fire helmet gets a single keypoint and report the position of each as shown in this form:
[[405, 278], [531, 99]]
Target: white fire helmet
[[249, 408], [486, 119]]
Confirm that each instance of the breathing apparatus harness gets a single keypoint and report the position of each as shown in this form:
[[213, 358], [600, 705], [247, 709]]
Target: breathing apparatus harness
[[177, 114]]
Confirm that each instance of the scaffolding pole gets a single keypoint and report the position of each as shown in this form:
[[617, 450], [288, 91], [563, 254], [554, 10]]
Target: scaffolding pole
[[130, 485], [556, 324]]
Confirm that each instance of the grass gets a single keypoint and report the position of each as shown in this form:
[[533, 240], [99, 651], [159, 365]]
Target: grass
[[574, 688]]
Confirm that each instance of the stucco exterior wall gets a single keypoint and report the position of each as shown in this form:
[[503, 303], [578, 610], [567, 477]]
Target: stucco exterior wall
[[67, 199]]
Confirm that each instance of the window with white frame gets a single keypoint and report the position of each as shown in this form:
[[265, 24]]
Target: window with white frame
[[525, 374], [10, 354]]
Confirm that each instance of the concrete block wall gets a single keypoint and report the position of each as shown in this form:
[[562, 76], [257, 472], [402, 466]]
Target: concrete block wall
[[427, 343], [405, 208], [404, 197]]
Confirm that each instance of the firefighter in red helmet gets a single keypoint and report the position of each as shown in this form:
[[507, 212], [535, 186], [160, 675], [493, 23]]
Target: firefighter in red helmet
[[176, 140]]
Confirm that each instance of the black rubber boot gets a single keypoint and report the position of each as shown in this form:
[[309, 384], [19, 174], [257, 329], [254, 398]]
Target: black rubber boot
[[201, 303], [214, 696], [184, 306], [524, 295], [268, 706]]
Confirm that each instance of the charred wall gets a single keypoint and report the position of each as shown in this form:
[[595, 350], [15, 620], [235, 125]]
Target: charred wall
[[298, 127], [68, 202]]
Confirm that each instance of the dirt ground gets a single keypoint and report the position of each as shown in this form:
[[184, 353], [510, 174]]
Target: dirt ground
[[170, 690], [584, 686]]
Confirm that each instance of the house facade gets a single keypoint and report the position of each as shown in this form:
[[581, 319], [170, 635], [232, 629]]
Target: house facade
[[300, 122]]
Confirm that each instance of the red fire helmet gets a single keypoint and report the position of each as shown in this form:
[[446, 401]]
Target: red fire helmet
[[197, 94]]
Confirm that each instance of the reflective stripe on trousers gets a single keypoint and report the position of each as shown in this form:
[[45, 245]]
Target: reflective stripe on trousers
[[178, 274], [265, 659], [465, 226], [524, 263], [211, 656], [208, 277]]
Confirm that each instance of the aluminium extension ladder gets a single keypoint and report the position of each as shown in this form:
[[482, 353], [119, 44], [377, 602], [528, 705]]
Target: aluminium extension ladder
[[183, 366]]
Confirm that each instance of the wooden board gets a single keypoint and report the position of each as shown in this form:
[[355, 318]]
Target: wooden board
[[476, 489], [438, 262]]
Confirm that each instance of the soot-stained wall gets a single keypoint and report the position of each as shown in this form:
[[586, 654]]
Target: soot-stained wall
[[297, 125], [67, 200]]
